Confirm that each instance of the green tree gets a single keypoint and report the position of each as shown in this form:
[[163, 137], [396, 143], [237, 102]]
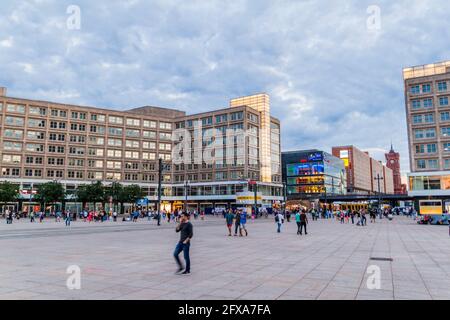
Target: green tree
[[9, 192], [114, 191], [129, 194], [82, 194], [97, 193], [50, 193]]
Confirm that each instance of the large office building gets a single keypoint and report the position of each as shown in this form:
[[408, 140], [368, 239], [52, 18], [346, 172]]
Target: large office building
[[427, 106], [312, 173], [45, 141], [365, 175]]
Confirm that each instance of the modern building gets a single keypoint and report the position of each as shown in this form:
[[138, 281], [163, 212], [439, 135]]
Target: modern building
[[365, 175], [310, 173], [427, 106], [393, 163], [43, 141]]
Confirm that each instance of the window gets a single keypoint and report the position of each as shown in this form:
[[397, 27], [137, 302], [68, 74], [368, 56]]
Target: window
[[445, 116], [8, 158], [445, 131], [133, 122], [10, 172], [429, 118], [421, 164], [15, 108], [149, 134], [114, 164], [115, 131], [114, 142], [206, 121], [38, 111], [252, 117], [442, 86], [167, 125], [446, 146], [428, 103], [132, 143], [148, 155], [149, 124], [12, 146], [13, 134], [417, 119], [420, 148], [98, 117], [114, 153], [132, 154], [431, 148], [430, 133], [116, 120], [165, 146], [148, 145], [34, 147], [443, 101], [415, 89], [426, 88], [14, 121], [165, 136], [433, 164], [96, 152], [132, 133], [221, 118], [446, 163], [416, 104]]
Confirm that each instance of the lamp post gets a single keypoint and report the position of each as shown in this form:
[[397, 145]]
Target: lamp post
[[284, 197], [378, 178], [186, 185], [160, 170]]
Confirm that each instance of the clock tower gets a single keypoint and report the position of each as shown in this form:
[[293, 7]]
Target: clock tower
[[393, 162]]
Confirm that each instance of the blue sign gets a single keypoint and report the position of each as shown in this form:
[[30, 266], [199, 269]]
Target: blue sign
[[316, 156], [142, 202]]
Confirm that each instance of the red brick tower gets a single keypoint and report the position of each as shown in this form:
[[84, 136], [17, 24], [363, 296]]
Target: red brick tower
[[393, 162]]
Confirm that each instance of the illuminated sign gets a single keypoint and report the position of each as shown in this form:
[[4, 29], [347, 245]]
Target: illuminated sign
[[316, 156]]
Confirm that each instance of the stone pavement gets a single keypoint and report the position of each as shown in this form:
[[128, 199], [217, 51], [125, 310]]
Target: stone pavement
[[134, 261]]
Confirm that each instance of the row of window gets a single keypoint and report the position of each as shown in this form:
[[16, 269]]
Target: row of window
[[77, 115], [441, 86], [73, 174], [430, 133], [428, 103]]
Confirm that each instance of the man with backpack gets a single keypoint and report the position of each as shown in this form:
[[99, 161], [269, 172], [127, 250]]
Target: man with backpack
[[279, 219]]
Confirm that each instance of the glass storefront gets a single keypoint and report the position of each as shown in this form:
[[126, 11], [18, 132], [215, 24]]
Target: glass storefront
[[418, 183]]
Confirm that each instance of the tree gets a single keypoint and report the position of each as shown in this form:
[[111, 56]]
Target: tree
[[114, 192], [9, 192], [50, 192], [96, 192], [82, 194], [128, 194]]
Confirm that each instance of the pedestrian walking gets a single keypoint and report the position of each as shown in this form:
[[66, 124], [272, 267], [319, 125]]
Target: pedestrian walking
[[68, 218], [237, 224], [243, 222], [32, 216], [303, 222], [186, 233], [279, 219], [229, 219], [297, 220]]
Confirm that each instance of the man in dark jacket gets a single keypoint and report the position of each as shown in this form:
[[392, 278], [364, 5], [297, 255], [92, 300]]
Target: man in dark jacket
[[186, 232], [237, 224]]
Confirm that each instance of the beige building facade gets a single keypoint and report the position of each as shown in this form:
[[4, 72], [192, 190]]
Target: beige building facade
[[362, 170], [427, 94], [45, 141]]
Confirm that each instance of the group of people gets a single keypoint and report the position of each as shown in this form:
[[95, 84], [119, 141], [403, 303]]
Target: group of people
[[239, 219]]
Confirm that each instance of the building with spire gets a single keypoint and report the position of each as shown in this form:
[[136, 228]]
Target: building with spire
[[393, 163]]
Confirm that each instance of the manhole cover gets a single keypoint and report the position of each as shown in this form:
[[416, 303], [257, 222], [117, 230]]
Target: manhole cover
[[381, 259]]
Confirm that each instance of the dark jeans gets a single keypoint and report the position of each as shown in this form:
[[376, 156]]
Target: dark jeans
[[298, 227], [303, 225], [185, 248], [236, 227]]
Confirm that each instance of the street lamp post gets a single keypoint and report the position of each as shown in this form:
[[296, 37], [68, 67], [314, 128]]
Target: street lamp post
[[378, 178], [160, 170], [284, 197], [186, 185]]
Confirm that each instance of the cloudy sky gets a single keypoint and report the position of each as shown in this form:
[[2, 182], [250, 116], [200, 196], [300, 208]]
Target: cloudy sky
[[332, 68]]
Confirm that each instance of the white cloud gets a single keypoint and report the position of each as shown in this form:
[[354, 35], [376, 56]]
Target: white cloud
[[331, 80]]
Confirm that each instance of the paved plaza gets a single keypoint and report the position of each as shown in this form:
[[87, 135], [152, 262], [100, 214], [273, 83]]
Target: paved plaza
[[126, 260]]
